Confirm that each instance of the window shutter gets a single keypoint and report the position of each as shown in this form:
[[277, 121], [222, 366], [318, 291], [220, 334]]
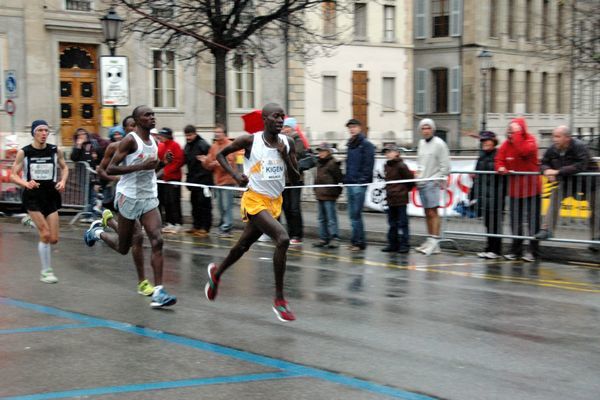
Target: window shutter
[[420, 19], [455, 18], [421, 91], [455, 79]]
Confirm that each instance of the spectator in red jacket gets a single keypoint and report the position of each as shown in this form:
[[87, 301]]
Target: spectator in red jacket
[[519, 153], [171, 155]]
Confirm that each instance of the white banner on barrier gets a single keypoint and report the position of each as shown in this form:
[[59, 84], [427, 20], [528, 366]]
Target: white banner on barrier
[[458, 187]]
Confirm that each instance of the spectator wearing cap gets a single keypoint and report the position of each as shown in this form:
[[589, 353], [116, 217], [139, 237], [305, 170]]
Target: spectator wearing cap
[[221, 177], [87, 149], [396, 196], [359, 170], [328, 173], [292, 197], [171, 156], [195, 148], [433, 161], [488, 193]]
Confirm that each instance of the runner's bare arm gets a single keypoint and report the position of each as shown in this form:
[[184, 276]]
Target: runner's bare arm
[[15, 173], [64, 171], [101, 169], [128, 146], [241, 143]]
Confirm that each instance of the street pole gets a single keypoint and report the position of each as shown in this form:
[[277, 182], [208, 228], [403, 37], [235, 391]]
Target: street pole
[[484, 111], [112, 53]]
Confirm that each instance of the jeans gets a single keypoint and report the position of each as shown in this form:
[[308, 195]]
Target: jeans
[[91, 200], [328, 223], [521, 210], [293, 213], [356, 201], [225, 203], [171, 201], [398, 221], [201, 210]]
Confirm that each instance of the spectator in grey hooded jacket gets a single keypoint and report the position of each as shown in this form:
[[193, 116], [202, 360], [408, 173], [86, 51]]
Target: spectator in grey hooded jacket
[[433, 161]]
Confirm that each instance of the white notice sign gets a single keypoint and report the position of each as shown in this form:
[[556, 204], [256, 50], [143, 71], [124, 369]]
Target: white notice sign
[[115, 80]]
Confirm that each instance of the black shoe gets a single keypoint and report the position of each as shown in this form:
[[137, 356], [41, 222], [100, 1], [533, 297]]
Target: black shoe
[[404, 250], [543, 234], [320, 244], [332, 245], [389, 249]]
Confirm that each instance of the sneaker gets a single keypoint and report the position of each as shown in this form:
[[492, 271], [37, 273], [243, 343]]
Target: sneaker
[[210, 290], [355, 248], [528, 257], [169, 229], [543, 234], [91, 236], [482, 254], [225, 235], [334, 244], [106, 215], [282, 310], [389, 249], [145, 288], [27, 221], [434, 248], [511, 257], [160, 298], [490, 255], [48, 276], [264, 238], [295, 241], [322, 243], [423, 247]]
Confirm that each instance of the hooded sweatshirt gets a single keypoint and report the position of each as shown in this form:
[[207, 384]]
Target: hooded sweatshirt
[[520, 154]]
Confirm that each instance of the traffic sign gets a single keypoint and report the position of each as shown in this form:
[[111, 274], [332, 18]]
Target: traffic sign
[[10, 107], [10, 84]]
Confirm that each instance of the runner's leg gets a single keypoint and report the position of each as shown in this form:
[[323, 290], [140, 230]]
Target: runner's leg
[[152, 224], [249, 235]]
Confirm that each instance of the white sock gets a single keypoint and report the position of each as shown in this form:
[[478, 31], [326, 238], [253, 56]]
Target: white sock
[[97, 233], [45, 255]]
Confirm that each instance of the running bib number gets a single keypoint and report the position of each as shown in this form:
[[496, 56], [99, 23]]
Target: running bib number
[[41, 172], [272, 169]]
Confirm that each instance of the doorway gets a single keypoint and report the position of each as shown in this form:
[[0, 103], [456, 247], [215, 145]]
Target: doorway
[[78, 88], [360, 104]]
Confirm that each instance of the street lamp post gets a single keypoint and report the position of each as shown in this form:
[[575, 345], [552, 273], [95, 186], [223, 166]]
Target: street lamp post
[[111, 29], [485, 60]]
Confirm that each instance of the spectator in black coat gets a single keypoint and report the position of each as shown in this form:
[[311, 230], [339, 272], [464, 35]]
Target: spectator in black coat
[[566, 157], [87, 149], [195, 148]]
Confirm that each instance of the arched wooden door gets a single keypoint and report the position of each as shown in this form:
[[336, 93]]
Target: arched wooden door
[[79, 106]]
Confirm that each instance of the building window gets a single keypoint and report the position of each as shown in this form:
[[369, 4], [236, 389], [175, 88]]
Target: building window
[[244, 84], [545, 19], [493, 18], [388, 91], [528, 97], [440, 90], [420, 19], [389, 23], [441, 18], [581, 92], [529, 25], [595, 96], [360, 21], [544, 93], [163, 70], [511, 19], [559, 94], [79, 5], [559, 22], [421, 91], [329, 93], [329, 18], [511, 90], [493, 90]]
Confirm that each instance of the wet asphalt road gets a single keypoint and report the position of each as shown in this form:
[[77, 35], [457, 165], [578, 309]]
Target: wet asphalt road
[[370, 326]]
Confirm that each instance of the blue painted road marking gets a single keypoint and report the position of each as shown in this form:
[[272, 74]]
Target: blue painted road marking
[[289, 368], [34, 329]]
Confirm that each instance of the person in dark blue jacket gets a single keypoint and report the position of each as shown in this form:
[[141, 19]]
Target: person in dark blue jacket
[[359, 170]]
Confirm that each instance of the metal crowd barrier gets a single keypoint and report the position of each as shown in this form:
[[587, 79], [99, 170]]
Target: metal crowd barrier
[[507, 206], [74, 197]]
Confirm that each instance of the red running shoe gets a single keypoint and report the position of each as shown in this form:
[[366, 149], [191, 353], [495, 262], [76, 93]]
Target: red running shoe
[[210, 290], [282, 310]]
